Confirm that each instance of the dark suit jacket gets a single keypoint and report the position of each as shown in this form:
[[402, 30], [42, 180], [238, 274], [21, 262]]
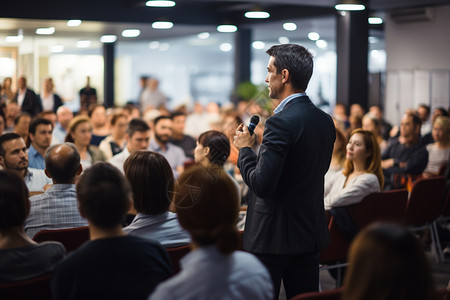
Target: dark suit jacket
[[287, 215], [31, 103], [57, 102]]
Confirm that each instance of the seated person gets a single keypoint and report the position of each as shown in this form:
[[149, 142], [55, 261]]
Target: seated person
[[387, 262], [438, 152], [404, 155], [112, 265], [208, 208], [20, 257], [152, 182], [362, 173], [338, 155]]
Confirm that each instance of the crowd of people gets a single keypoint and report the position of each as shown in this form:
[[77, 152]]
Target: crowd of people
[[144, 178]]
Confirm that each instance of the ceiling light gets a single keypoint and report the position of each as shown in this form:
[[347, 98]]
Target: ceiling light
[[14, 38], [226, 47], [47, 30], [283, 40], [313, 36], [226, 28], [57, 48], [349, 5], [162, 25], [108, 38], [83, 44], [257, 14], [290, 26], [160, 3], [375, 20], [321, 44], [203, 35], [153, 45], [131, 33], [258, 45], [73, 23]]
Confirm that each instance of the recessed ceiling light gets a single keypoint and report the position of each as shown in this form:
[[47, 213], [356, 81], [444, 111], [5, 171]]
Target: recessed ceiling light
[[14, 38], [203, 35], [57, 48], [257, 15], [350, 6], [375, 20], [45, 31], [153, 45], [108, 38], [73, 23], [226, 47], [162, 25], [321, 44], [313, 36], [258, 45], [83, 44], [283, 40], [226, 28], [131, 33], [290, 26], [160, 3]]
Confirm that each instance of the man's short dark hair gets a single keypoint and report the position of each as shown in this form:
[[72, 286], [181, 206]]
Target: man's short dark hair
[[38, 121], [161, 118], [297, 60], [103, 194], [137, 125], [62, 167], [7, 137], [415, 118], [177, 114], [426, 107], [14, 203], [22, 114]]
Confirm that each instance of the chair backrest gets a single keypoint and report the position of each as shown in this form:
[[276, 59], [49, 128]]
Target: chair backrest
[[442, 294], [383, 206], [325, 295], [337, 249], [71, 238], [446, 208], [425, 201], [35, 288], [177, 253]]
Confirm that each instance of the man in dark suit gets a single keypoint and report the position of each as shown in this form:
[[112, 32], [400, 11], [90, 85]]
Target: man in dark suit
[[286, 224], [26, 98]]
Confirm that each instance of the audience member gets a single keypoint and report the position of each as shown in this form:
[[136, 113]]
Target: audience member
[[230, 123], [373, 124], [57, 207], [423, 112], [100, 129], [355, 122], [116, 141], [2, 122], [26, 98], [152, 183], [387, 262], [14, 157], [88, 96], [80, 133], [20, 257], [185, 142], [339, 114], [428, 138], [404, 155], [48, 115], [197, 122], [438, 152], [6, 93], [208, 208], [22, 126], [137, 138], [63, 115], [151, 96], [338, 156], [48, 98], [385, 126], [12, 111], [112, 265], [160, 144], [356, 110], [362, 173], [41, 138]]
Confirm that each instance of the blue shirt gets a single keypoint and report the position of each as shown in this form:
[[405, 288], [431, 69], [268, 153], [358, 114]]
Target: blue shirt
[[286, 101], [35, 159], [208, 274], [174, 155], [163, 228], [58, 135], [35, 180]]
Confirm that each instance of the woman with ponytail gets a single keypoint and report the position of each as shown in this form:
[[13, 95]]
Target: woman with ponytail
[[207, 205]]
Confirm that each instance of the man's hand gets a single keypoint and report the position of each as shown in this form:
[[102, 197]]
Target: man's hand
[[243, 138]]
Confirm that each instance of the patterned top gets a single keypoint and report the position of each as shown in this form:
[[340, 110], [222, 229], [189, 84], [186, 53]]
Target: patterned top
[[436, 158]]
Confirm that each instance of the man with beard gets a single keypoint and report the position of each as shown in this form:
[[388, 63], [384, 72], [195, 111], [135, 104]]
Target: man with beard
[[14, 157], [160, 144], [41, 137]]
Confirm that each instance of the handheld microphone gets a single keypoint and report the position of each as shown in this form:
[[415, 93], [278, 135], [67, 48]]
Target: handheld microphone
[[254, 120]]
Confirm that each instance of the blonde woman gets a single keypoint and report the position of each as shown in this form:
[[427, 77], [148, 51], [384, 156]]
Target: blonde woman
[[438, 152]]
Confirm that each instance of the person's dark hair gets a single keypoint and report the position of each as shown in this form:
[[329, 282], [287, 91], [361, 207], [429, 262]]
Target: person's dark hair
[[157, 119], [5, 138], [22, 114], [219, 146], [297, 60], [416, 120], [207, 204], [103, 194], [116, 117], [62, 165], [443, 111], [387, 262], [137, 125], [177, 114], [151, 179], [426, 107], [14, 203], [36, 122]]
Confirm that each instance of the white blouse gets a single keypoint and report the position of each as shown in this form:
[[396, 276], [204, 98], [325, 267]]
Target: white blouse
[[355, 190]]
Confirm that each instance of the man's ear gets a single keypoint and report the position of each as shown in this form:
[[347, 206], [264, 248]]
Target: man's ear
[[80, 209], [80, 170], [206, 150], [47, 173], [31, 137], [284, 75]]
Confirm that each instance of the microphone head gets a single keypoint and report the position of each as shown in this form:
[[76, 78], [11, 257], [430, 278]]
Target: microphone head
[[254, 119]]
